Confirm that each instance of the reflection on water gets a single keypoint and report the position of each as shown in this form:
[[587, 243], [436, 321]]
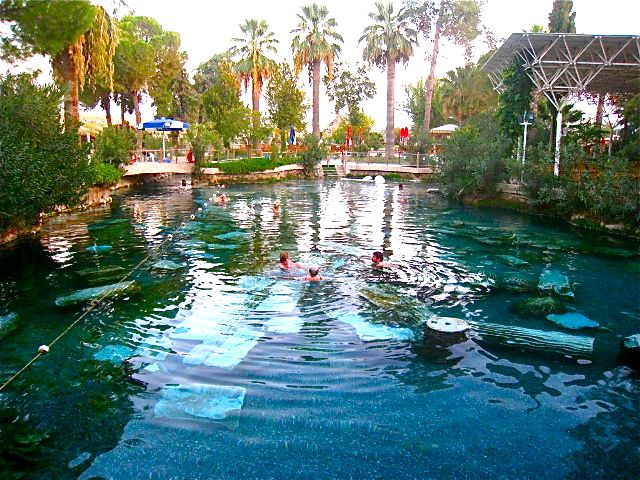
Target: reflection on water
[[219, 364]]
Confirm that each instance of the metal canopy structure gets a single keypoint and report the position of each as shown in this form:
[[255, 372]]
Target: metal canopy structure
[[560, 64]]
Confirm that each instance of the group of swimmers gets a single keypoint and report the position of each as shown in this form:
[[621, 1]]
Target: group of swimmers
[[286, 265]]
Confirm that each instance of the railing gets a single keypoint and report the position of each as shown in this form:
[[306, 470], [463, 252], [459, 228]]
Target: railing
[[403, 159]]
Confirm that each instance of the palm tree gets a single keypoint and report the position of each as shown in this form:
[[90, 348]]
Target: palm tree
[[388, 41], [253, 65], [314, 43], [466, 92]]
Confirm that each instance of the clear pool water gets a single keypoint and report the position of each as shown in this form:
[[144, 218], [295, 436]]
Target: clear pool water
[[217, 367]]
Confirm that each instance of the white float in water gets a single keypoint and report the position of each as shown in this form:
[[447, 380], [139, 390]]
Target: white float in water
[[379, 179]]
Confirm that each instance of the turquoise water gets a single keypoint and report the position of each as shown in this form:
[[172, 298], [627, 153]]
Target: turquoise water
[[215, 366]]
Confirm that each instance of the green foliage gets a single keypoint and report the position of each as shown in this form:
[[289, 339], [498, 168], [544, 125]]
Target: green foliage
[[349, 88], [40, 164], [473, 158], [105, 174], [251, 165], [201, 137], [252, 130], [113, 145], [514, 100], [221, 101], [561, 18], [466, 92], [253, 65], [286, 101], [313, 153], [374, 140], [415, 103], [357, 120]]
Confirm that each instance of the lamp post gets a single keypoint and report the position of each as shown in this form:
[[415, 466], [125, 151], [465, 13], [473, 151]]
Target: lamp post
[[527, 119]]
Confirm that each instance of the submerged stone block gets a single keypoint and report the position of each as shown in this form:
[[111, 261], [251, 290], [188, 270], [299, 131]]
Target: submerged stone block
[[286, 325], [572, 321], [106, 291], [7, 323], [372, 331], [115, 354], [99, 248], [540, 306], [512, 261], [555, 281], [199, 401], [167, 265]]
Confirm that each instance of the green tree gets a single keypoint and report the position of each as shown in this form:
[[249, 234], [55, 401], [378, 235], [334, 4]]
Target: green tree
[[467, 91], [41, 162], [361, 125], [415, 100], [207, 72], [316, 41], [389, 40], [286, 101], [113, 145], [79, 39], [455, 20], [514, 99], [253, 64], [349, 88], [561, 18], [222, 97], [202, 136], [314, 152]]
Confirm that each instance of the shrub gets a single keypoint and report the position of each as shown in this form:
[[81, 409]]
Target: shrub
[[41, 164], [313, 153], [105, 174], [473, 158], [251, 165], [113, 145]]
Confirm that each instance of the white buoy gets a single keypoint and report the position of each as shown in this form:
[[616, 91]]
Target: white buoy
[[443, 332], [379, 179], [43, 349]]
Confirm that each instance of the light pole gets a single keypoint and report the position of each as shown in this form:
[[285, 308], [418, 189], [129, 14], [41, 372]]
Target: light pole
[[527, 119]]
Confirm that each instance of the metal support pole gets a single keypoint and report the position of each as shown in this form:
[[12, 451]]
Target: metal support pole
[[524, 151], [556, 167]]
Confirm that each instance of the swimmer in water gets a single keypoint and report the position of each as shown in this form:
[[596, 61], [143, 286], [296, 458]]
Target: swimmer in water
[[286, 263], [314, 274]]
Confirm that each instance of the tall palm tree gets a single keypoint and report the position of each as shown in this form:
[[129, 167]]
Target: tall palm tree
[[315, 42], [389, 40], [253, 65]]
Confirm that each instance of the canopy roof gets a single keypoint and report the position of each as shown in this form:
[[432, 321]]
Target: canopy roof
[[165, 125], [448, 128], [563, 63]]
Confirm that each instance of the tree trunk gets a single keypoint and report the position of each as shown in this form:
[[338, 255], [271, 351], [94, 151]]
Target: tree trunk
[[389, 137], [136, 108], [123, 108], [72, 91], [255, 94], [316, 97], [600, 110], [106, 106], [535, 102], [431, 81]]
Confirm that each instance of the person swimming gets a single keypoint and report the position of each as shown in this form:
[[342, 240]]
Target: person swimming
[[222, 198], [276, 207], [314, 274], [286, 263], [377, 260]]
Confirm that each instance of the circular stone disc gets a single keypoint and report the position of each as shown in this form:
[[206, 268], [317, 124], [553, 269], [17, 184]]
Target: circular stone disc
[[447, 324]]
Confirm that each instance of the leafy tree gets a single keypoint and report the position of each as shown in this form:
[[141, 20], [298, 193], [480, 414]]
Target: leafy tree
[[467, 91], [113, 145], [561, 18], [222, 98], [286, 101], [357, 120], [415, 101], [79, 38], [134, 64], [514, 100], [41, 162], [254, 65], [207, 72], [349, 88], [313, 153], [252, 129], [315, 42], [201, 137], [389, 40], [473, 158], [186, 101], [455, 20]]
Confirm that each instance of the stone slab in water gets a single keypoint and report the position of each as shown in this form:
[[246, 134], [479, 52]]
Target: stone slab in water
[[632, 342], [368, 331], [199, 401], [101, 272], [95, 293], [99, 248], [286, 325], [517, 282], [540, 306], [167, 265], [222, 246], [555, 281], [232, 235], [115, 354], [572, 321], [512, 261], [447, 324], [7, 323]]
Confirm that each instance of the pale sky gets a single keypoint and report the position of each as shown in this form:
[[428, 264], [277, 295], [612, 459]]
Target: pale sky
[[206, 27]]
